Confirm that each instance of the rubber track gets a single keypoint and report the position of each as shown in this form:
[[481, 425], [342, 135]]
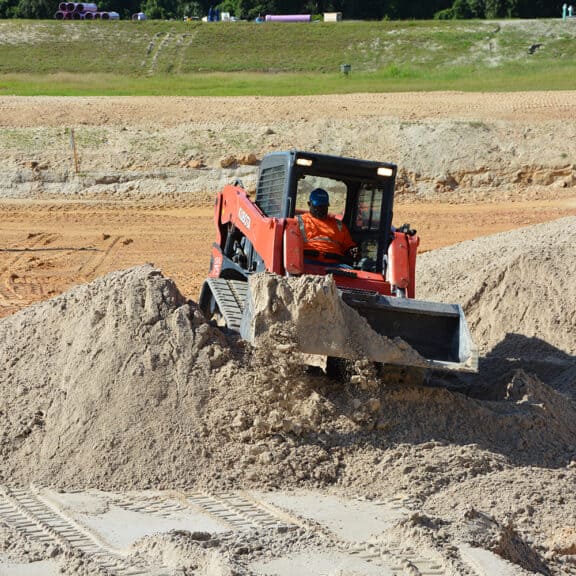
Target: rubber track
[[230, 296]]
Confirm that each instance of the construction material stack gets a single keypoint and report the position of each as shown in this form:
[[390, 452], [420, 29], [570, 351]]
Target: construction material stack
[[83, 11]]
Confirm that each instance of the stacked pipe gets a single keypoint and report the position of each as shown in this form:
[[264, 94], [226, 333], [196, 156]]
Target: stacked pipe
[[83, 11]]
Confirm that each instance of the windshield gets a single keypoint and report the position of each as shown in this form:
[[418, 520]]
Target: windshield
[[368, 208], [336, 190]]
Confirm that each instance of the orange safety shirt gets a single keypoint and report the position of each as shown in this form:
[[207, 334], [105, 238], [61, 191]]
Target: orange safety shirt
[[327, 236]]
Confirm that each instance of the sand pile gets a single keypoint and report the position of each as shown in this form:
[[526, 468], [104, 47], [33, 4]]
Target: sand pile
[[130, 387], [91, 381], [516, 288], [121, 383]]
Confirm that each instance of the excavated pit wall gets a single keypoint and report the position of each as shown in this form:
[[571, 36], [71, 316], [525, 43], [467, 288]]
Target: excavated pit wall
[[458, 159]]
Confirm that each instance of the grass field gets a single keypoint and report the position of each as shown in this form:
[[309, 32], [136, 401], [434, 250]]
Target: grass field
[[243, 58]]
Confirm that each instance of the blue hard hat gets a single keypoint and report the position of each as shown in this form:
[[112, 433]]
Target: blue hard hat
[[319, 197]]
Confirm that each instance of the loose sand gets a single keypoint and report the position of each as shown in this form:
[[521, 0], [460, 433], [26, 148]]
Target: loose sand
[[121, 384]]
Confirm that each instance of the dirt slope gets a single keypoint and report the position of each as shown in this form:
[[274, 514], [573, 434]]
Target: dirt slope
[[460, 145]]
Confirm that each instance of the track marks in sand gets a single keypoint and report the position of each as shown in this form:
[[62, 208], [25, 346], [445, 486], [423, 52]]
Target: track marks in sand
[[105, 528], [44, 264], [31, 516], [14, 286], [167, 53]]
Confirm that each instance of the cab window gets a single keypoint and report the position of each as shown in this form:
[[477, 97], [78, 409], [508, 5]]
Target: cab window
[[335, 188], [368, 209]]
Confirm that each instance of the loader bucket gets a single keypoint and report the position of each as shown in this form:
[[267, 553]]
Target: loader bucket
[[313, 315], [437, 331]]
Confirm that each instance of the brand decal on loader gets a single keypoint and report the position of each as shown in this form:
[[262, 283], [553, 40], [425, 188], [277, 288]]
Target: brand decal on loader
[[216, 264], [244, 218]]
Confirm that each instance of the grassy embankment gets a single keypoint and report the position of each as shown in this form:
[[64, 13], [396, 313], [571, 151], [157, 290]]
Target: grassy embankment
[[242, 58]]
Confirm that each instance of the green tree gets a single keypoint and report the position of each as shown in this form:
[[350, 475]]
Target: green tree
[[7, 8], [461, 9], [248, 9], [496, 9], [351, 9], [162, 9], [192, 9], [34, 9]]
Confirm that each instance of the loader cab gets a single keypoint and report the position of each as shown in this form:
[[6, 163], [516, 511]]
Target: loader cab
[[361, 195]]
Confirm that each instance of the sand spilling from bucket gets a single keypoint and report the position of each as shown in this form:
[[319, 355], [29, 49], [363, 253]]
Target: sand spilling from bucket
[[122, 384], [307, 313]]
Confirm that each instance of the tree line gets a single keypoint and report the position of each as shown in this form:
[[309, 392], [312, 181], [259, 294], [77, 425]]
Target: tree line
[[350, 9]]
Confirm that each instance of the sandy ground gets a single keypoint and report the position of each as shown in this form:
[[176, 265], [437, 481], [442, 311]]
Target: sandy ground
[[48, 247], [118, 386]]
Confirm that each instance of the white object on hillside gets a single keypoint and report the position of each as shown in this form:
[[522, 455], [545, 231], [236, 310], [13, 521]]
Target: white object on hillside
[[332, 16]]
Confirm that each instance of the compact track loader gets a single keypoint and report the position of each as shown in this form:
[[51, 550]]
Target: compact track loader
[[262, 234]]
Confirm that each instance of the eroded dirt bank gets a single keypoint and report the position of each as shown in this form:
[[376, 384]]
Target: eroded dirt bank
[[461, 146]]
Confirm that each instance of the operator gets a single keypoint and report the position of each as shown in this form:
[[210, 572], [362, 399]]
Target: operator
[[325, 238]]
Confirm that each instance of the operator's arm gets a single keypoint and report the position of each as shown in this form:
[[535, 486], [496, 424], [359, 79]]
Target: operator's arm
[[349, 249], [345, 239]]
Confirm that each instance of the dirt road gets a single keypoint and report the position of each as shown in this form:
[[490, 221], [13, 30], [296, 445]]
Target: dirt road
[[46, 248]]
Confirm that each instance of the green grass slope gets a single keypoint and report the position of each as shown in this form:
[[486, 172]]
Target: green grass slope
[[238, 58]]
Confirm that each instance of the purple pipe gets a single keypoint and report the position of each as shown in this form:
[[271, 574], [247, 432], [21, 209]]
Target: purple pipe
[[59, 15], [86, 8], [89, 16], [63, 6], [288, 18], [70, 6]]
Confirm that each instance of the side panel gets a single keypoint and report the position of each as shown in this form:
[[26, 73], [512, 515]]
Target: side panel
[[402, 262], [293, 248], [264, 233], [216, 261]]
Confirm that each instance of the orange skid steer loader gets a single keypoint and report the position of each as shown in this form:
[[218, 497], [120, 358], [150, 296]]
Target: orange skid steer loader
[[263, 235]]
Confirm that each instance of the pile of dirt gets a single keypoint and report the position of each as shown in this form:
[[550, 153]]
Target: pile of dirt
[[122, 384], [133, 375], [516, 289], [109, 369]]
